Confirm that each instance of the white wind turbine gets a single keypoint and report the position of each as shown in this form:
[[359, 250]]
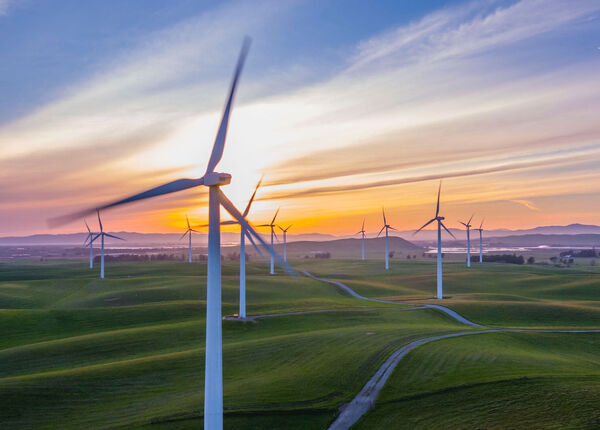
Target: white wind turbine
[[387, 227], [285, 230], [362, 233], [480, 230], [439, 220], [272, 226], [213, 382], [102, 235], [468, 226], [189, 232], [89, 241]]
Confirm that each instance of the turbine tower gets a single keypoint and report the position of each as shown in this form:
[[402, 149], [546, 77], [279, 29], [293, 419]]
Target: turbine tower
[[243, 234], [468, 226], [102, 235], [272, 226], [88, 241], [285, 230], [189, 232], [362, 233], [439, 220], [480, 230], [213, 382], [387, 227]]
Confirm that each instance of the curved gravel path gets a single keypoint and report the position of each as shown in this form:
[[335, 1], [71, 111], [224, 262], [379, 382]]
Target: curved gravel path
[[366, 398]]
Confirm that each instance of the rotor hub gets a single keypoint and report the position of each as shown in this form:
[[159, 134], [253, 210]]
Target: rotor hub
[[215, 178]]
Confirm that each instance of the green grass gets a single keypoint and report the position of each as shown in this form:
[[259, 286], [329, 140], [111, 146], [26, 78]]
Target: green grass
[[128, 352], [507, 380], [490, 294]]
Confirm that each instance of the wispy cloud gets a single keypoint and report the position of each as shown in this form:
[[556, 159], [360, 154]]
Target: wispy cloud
[[528, 204]]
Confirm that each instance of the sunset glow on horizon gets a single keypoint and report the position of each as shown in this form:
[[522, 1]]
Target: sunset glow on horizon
[[498, 99]]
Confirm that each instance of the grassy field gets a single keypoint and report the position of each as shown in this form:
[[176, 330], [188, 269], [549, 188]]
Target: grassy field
[[492, 294], [500, 380], [128, 352]]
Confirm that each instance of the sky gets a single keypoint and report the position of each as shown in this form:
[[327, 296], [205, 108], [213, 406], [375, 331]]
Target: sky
[[344, 106]]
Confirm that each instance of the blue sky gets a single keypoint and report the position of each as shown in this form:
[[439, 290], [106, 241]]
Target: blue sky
[[344, 105]]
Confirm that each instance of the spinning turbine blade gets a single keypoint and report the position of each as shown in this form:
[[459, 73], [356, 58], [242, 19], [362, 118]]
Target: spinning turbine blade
[[437, 209], [229, 207], [382, 228], [425, 225], [184, 235], [252, 198], [384, 220], [99, 220], [188, 222], [249, 236], [449, 232], [219, 145], [170, 187], [87, 226]]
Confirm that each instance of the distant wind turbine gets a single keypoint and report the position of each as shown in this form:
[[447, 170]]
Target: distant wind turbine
[[89, 241], [272, 226], [480, 230], [387, 227], [102, 235], [468, 226], [213, 380], [189, 233], [243, 234], [439, 220], [285, 230], [362, 233]]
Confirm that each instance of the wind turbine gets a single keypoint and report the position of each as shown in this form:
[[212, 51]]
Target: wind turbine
[[362, 232], [88, 241], [387, 227], [272, 226], [439, 220], [480, 230], [189, 232], [468, 226], [213, 382], [102, 235], [285, 230]]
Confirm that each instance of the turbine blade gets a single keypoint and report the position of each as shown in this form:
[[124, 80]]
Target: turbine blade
[[188, 221], [230, 222], [96, 237], [252, 198], [249, 236], [481, 225], [184, 235], [384, 220], [99, 220], [276, 212], [392, 228], [363, 226], [437, 209], [463, 223], [113, 236], [380, 231], [449, 232], [219, 145], [424, 225], [87, 226], [288, 227], [469, 222], [229, 207], [275, 234], [170, 187]]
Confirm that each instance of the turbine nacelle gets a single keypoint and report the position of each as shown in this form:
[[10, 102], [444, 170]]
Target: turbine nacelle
[[215, 178]]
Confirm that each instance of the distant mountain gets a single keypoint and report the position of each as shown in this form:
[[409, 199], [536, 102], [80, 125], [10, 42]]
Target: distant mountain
[[571, 229], [350, 248], [549, 240], [143, 239]]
